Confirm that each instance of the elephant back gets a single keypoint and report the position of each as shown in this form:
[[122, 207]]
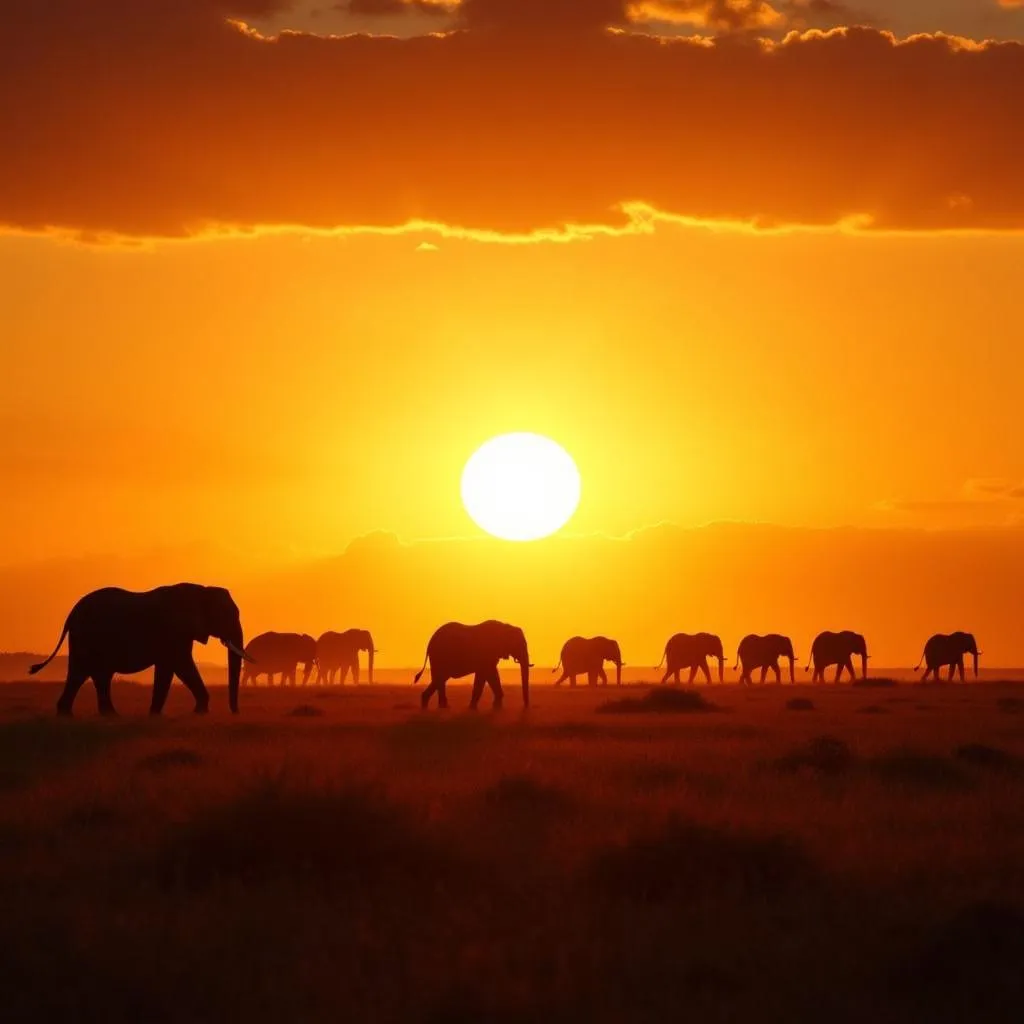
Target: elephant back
[[274, 652]]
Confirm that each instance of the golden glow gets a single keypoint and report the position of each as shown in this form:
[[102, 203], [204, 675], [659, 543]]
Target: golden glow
[[521, 487]]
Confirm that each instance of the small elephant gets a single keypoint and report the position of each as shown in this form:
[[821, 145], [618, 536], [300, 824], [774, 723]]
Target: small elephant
[[838, 649], [340, 651], [279, 652], [457, 650], [763, 652], [943, 649], [120, 631], [588, 654], [692, 651]]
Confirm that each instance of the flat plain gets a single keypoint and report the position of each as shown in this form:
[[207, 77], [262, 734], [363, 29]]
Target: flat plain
[[776, 853]]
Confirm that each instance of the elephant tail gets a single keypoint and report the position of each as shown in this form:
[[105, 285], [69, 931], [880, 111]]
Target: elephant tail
[[663, 655], [33, 669], [558, 666], [918, 665], [737, 665], [416, 678]]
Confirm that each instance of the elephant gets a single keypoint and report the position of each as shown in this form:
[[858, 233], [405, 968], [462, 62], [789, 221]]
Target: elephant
[[336, 651], [114, 630], [692, 651], [948, 650], [838, 649], [457, 650], [279, 652], [588, 654], [763, 652]]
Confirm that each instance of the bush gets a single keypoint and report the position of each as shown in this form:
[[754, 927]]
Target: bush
[[658, 702], [685, 860], [823, 754]]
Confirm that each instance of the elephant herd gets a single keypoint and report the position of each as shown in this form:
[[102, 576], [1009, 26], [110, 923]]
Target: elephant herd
[[271, 653], [114, 631]]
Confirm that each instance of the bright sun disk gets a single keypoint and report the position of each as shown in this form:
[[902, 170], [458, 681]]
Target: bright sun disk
[[520, 486]]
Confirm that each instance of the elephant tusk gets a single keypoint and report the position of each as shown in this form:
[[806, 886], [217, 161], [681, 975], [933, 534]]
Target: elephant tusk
[[237, 650]]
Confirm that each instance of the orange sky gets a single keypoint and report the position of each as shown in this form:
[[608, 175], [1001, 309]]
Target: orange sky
[[240, 409]]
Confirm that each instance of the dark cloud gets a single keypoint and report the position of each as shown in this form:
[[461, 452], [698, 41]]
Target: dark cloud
[[165, 119]]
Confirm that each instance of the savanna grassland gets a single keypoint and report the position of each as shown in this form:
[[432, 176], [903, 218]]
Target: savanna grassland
[[341, 856]]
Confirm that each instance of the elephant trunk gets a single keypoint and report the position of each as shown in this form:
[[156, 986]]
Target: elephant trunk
[[234, 674], [618, 673], [792, 672], [370, 665], [975, 654], [721, 668], [524, 668], [864, 665]]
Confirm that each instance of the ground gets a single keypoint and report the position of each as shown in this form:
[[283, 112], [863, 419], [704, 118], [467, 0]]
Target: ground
[[795, 853]]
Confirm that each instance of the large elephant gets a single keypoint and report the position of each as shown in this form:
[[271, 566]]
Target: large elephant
[[838, 649], [943, 649], [336, 651], [119, 631], [457, 650], [692, 651], [279, 652], [763, 652], [588, 654]]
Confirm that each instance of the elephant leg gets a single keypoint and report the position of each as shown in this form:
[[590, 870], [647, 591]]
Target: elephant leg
[[572, 679], [690, 677], [102, 681], [162, 677], [591, 678], [428, 693], [839, 672], [442, 693], [602, 676], [74, 682], [478, 690], [707, 672], [764, 674], [778, 674], [664, 678], [819, 675], [493, 680], [561, 679], [850, 669], [960, 669], [187, 672], [355, 672]]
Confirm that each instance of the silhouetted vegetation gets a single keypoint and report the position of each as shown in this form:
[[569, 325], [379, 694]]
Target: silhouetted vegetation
[[823, 754], [689, 861], [658, 702], [799, 704], [385, 865]]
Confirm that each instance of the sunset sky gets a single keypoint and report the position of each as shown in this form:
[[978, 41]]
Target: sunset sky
[[272, 271]]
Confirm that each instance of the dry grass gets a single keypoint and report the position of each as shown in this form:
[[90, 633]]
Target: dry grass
[[374, 863]]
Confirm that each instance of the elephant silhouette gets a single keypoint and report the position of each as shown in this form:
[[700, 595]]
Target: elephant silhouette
[[763, 652], [270, 653], [121, 631], [838, 649], [685, 650], [948, 649], [340, 651], [457, 650], [588, 654]]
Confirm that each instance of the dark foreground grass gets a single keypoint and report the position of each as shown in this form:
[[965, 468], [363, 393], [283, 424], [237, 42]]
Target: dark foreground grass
[[372, 863]]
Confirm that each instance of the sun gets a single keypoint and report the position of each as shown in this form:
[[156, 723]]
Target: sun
[[520, 486]]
